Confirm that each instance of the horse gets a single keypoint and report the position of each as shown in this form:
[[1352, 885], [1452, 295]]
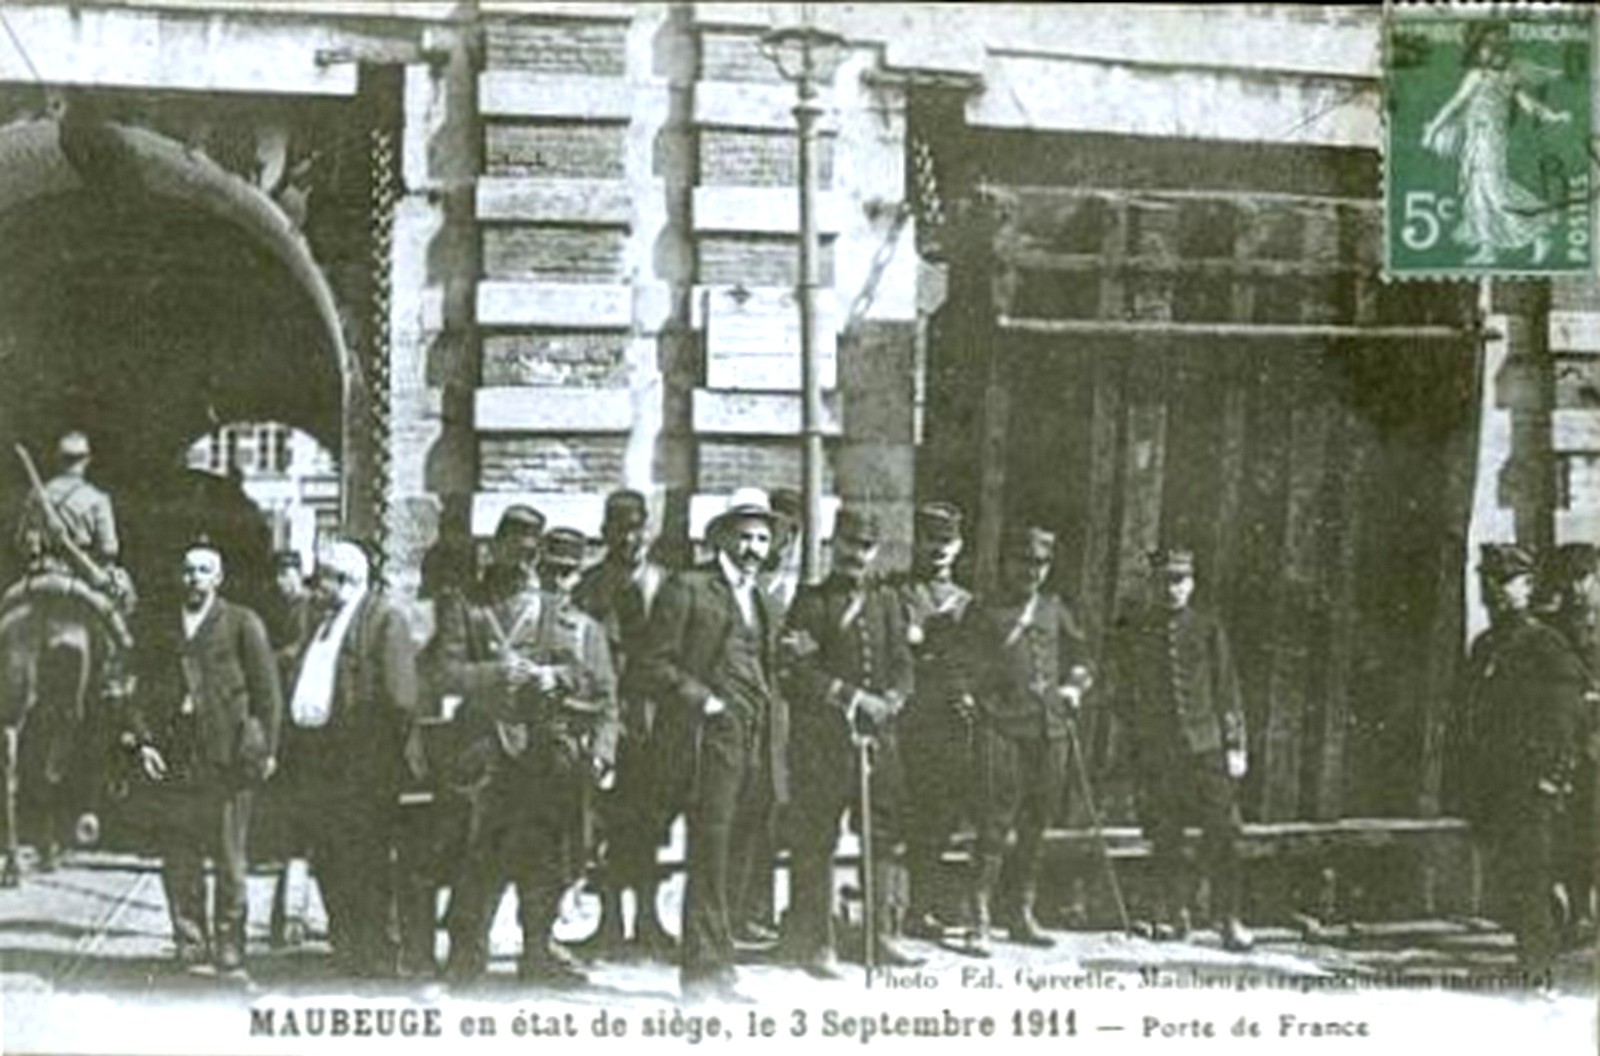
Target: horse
[[62, 679]]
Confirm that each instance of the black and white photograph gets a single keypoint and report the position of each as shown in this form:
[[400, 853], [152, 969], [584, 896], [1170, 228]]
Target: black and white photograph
[[604, 525]]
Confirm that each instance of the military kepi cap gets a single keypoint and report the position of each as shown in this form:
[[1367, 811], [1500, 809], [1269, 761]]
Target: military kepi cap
[[73, 445], [852, 522], [565, 546], [520, 522], [1172, 561], [1034, 543], [1500, 562], [939, 521], [626, 509], [788, 504]]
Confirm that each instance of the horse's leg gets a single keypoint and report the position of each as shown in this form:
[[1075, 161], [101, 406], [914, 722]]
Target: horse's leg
[[10, 874]]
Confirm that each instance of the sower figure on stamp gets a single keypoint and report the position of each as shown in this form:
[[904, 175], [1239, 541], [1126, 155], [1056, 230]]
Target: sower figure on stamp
[[1527, 711], [710, 663], [620, 593], [537, 677], [937, 727], [1030, 668], [1177, 690], [352, 706], [205, 729], [850, 676]]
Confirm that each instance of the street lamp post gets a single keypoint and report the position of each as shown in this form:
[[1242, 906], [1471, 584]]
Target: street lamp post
[[806, 55]]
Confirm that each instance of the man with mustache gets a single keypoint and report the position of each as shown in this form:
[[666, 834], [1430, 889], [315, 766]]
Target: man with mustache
[[710, 661], [851, 674]]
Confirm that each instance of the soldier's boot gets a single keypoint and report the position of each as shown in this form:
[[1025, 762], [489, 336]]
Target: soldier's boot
[[1172, 923], [884, 886], [1025, 928], [1228, 885], [921, 922], [608, 940], [545, 962], [654, 941], [986, 875]]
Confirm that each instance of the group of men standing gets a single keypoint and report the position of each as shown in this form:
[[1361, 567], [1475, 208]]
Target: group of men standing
[[1524, 764], [597, 706]]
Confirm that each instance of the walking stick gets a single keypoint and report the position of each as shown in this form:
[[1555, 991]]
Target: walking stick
[[869, 930], [1094, 823]]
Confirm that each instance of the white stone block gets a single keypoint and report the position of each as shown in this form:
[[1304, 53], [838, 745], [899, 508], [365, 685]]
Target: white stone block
[[506, 303], [515, 93], [759, 413], [552, 409]]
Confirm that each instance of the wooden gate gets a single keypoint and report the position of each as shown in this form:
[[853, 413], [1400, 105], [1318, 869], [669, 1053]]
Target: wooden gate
[[1163, 343]]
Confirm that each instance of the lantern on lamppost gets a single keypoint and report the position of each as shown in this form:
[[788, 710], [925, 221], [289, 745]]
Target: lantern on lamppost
[[808, 57]]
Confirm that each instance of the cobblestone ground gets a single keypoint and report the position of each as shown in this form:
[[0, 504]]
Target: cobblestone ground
[[97, 926]]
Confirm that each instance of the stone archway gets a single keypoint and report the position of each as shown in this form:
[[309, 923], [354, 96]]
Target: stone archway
[[148, 294]]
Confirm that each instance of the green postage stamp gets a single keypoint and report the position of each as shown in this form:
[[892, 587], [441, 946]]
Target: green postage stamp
[[1488, 170]]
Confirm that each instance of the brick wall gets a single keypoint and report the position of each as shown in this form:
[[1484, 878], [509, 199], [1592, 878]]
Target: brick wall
[[728, 56], [555, 253], [589, 48], [726, 464], [590, 359], [553, 148], [550, 463], [746, 158], [755, 260]]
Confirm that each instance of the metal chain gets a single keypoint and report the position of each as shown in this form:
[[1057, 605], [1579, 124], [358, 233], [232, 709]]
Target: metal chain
[[926, 203], [384, 190]]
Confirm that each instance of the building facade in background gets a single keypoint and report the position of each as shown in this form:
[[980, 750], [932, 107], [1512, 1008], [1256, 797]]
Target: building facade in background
[[1114, 271]]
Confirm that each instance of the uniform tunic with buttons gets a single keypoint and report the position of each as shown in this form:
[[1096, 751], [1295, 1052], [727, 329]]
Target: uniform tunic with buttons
[[1020, 654]]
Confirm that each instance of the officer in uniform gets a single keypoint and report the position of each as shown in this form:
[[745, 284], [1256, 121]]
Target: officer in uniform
[[619, 592], [537, 679], [850, 675], [1177, 689], [1030, 667], [1528, 702], [937, 729]]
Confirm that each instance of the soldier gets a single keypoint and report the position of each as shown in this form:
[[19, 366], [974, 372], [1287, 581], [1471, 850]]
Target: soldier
[[1527, 705], [1177, 689], [536, 674], [850, 675], [1569, 589], [936, 731], [710, 663], [619, 593], [1030, 668], [81, 509]]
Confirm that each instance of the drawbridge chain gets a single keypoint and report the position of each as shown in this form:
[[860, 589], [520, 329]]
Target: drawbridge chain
[[383, 158]]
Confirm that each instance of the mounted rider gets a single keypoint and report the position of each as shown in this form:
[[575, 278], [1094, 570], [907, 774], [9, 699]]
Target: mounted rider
[[67, 538]]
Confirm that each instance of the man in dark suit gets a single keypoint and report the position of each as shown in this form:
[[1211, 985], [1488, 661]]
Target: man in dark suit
[[1030, 668], [850, 676], [620, 592], [354, 698], [205, 728], [1528, 701], [539, 687], [1176, 687], [710, 662]]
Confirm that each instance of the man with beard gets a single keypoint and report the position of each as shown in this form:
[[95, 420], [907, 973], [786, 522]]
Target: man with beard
[[710, 663], [1526, 714], [353, 703], [936, 730], [1030, 668], [537, 679], [620, 593], [1178, 690], [850, 676]]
